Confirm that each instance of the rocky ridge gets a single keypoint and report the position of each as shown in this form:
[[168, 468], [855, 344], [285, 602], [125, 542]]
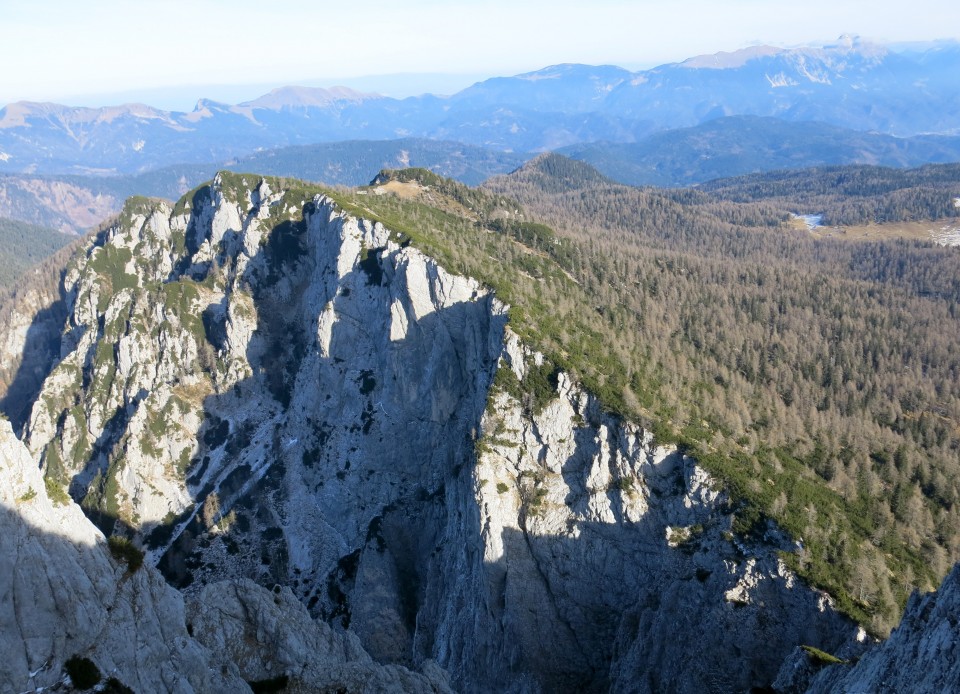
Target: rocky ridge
[[64, 596], [70, 597], [260, 388]]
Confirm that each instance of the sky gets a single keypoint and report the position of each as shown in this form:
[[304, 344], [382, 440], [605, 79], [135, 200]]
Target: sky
[[168, 54]]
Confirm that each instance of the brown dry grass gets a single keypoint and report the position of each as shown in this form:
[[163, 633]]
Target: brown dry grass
[[919, 231]]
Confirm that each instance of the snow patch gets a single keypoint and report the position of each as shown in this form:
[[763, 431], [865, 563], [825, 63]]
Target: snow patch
[[948, 235], [812, 221], [780, 80], [814, 75], [138, 145]]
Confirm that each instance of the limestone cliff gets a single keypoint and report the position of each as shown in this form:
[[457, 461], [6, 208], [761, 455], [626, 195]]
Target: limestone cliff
[[62, 595], [921, 655], [257, 386]]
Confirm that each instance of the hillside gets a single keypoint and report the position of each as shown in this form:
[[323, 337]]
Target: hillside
[[852, 195], [609, 435], [738, 145], [23, 246], [273, 382], [817, 377]]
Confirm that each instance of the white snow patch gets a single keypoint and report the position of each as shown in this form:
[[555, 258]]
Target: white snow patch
[[948, 235], [780, 80], [138, 145], [812, 221], [956, 201]]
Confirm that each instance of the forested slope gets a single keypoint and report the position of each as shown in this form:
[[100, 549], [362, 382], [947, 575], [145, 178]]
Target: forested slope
[[821, 379], [850, 195], [24, 245]]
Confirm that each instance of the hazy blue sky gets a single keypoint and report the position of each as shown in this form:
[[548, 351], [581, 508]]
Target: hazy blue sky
[[75, 52]]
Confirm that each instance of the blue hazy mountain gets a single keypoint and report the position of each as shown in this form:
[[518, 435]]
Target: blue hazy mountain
[[737, 145], [849, 84]]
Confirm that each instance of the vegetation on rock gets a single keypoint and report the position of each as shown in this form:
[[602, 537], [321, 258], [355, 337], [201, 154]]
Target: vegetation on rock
[[817, 380], [122, 549], [83, 672]]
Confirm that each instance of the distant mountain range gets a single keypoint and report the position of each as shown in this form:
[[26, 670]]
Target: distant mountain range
[[739, 145], [73, 203], [850, 84]]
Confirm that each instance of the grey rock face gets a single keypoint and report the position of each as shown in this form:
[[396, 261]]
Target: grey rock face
[[605, 563], [260, 387], [62, 595], [270, 634], [922, 654]]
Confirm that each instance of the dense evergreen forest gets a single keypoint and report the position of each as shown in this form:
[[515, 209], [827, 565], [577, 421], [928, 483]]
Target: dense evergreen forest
[[852, 195], [820, 378], [24, 245]]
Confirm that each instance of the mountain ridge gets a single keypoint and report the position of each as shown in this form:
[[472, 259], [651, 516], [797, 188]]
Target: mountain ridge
[[271, 381], [849, 85], [443, 511]]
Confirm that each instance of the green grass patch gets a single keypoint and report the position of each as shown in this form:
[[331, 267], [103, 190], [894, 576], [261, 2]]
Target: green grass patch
[[822, 657]]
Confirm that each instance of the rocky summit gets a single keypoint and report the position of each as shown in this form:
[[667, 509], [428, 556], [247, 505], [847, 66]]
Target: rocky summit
[[342, 470]]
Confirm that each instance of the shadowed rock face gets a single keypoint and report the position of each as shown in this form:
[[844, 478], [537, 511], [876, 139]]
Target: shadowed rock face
[[64, 596], [921, 655], [260, 388]]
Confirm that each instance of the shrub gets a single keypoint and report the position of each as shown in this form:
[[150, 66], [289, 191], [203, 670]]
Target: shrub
[[55, 492], [274, 684], [123, 549], [83, 672], [502, 488], [115, 686]]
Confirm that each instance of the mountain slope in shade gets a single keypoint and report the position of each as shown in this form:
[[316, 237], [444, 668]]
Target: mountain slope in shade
[[921, 655], [737, 145]]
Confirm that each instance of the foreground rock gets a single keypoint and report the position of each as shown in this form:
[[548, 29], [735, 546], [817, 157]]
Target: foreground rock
[[64, 596], [922, 655], [270, 635]]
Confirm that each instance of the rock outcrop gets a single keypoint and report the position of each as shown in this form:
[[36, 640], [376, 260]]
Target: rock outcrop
[[271, 636], [63, 595], [261, 389], [921, 655]]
